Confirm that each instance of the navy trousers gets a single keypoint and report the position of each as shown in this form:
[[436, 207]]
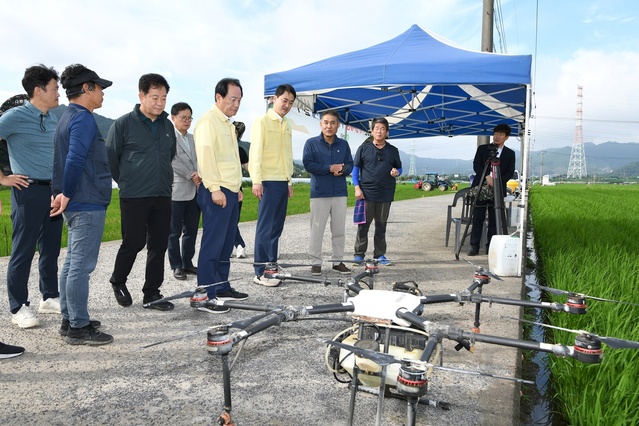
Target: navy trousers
[[271, 213], [219, 226]]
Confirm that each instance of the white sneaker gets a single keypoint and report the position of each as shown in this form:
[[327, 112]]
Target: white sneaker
[[50, 306], [267, 282], [240, 252], [24, 318]]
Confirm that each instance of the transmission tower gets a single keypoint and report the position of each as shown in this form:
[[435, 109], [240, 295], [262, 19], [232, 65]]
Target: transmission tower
[[577, 164], [411, 170]]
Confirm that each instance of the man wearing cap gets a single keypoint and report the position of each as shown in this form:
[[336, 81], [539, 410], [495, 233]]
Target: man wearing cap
[[81, 185], [28, 130]]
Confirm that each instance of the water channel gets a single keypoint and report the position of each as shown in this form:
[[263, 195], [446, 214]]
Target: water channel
[[537, 408]]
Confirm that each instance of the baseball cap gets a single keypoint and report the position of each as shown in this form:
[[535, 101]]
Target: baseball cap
[[86, 76]]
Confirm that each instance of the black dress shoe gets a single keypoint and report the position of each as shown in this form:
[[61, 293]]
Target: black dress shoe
[[474, 251], [191, 270], [179, 273], [122, 294], [160, 306]]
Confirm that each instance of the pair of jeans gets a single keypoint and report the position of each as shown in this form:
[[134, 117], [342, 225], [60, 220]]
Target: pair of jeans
[[85, 236], [185, 219], [33, 227]]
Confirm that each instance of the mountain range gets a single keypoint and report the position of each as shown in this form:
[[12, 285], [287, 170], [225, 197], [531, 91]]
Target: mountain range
[[605, 159]]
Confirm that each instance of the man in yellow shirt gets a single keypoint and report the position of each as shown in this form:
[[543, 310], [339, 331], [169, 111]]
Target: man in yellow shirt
[[271, 169], [219, 194]]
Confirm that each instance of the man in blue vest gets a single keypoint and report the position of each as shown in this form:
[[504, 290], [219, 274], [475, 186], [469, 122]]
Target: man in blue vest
[[81, 185]]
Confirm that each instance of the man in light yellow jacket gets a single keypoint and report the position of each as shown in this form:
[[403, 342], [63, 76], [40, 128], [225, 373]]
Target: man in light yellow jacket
[[271, 170], [219, 194]]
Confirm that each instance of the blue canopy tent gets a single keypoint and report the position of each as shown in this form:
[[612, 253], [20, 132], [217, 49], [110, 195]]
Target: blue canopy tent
[[422, 85]]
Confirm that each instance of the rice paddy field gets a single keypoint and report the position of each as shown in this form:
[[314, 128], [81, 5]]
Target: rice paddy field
[[587, 241]]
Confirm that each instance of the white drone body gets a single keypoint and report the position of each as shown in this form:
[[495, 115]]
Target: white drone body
[[382, 305]]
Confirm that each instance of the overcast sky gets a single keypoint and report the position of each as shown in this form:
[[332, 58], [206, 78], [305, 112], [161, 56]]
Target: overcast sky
[[593, 43]]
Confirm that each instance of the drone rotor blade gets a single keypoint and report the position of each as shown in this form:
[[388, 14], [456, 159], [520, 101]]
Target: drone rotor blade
[[550, 289], [613, 342], [377, 357], [541, 324], [175, 296], [479, 373], [616, 343], [173, 339], [564, 292], [202, 287], [601, 299], [484, 270]]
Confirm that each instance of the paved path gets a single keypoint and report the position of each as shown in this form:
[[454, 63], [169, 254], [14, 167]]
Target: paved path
[[279, 377]]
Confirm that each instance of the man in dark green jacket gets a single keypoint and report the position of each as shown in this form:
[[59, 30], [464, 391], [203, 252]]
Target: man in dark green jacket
[[141, 146]]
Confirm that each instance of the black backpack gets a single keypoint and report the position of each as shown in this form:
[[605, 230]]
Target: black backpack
[[12, 102]]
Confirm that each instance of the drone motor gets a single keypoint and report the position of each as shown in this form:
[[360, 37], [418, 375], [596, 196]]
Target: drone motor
[[372, 266], [481, 277], [218, 341], [576, 304], [271, 269], [199, 297], [588, 349], [412, 381]]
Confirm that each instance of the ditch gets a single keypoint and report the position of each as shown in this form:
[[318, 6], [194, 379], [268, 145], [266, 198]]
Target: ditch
[[537, 407]]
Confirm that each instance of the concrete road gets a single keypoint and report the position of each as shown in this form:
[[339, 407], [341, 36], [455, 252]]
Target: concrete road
[[279, 377]]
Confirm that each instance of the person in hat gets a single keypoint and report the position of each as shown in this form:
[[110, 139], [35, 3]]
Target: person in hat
[[28, 130], [81, 186]]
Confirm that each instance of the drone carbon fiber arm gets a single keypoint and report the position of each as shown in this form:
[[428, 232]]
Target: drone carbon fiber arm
[[471, 297], [459, 335]]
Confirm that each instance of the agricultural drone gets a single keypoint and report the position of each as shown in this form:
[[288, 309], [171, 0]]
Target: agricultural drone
[[390, 349]]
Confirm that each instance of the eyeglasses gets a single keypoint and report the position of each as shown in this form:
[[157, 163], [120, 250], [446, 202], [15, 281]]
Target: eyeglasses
[[44, 129], [379, 157], [185, 119]]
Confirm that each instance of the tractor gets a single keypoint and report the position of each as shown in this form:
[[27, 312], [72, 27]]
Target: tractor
[[433, 180]]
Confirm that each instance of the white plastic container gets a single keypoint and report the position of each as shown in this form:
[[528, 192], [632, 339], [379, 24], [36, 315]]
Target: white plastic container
[[503, 258]]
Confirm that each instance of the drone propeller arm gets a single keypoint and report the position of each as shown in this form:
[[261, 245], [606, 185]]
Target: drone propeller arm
[[276, 319], [287, 276], [241, 305], [556, 349], [284, 315], [460, 336], [440, 298], [554, 306], [329, 309]]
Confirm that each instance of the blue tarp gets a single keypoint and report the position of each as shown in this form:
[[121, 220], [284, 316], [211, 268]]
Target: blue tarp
[[423, 86]]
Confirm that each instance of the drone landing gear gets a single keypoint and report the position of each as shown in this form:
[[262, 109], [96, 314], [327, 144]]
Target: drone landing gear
[[388, 393]]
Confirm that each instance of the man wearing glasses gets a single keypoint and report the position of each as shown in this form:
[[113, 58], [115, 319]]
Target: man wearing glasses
[[29, 131], [185, 213], [377, 165]]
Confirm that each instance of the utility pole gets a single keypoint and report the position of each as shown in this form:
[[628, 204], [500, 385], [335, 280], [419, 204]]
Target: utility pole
[[486, 44], [541, 167]]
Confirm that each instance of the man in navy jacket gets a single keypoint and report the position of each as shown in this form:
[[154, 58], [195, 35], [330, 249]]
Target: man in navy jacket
[[81, 184], [328, 159]]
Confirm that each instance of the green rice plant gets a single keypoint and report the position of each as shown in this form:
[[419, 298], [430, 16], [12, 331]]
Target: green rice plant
[[586, 241]]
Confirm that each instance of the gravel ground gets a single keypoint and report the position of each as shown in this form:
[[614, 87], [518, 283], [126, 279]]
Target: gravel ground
[[279, 377]]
